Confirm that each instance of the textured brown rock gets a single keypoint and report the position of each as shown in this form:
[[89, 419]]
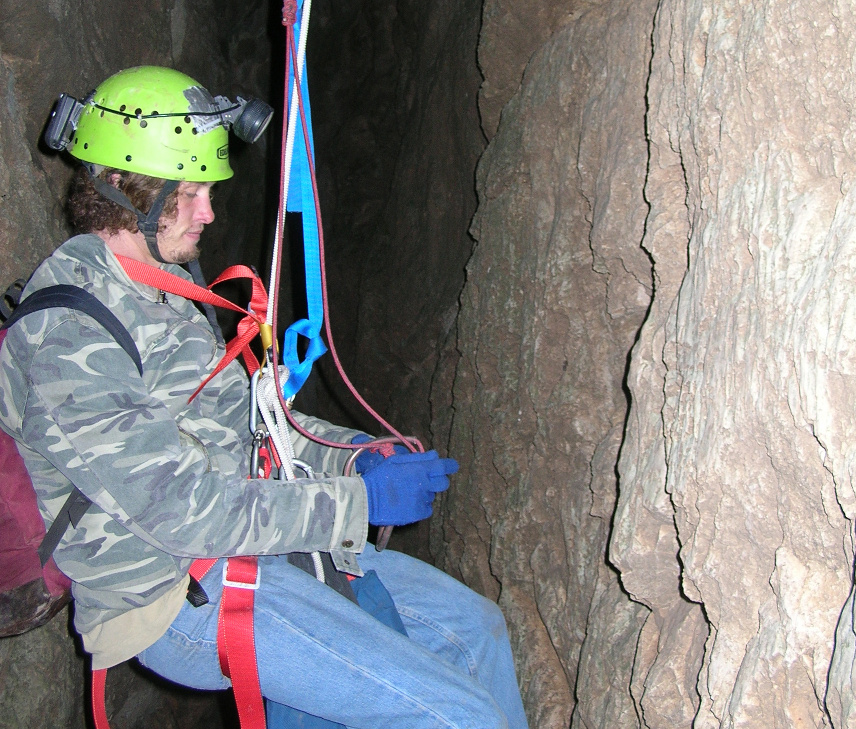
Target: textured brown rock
[[510, 34], [742, 449], [557, 289], [732, 530]]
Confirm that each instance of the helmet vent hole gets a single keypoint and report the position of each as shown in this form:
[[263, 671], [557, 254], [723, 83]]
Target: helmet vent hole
[[193, 158], [138, 112], [203, 168], [187, 120], [195, 130], [128, 158], [143, 123], [178, 130], [122, 108], [126, 121], [180, 166], [86, 145]]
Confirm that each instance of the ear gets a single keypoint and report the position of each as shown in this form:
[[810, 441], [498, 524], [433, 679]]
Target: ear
[[115, 179]]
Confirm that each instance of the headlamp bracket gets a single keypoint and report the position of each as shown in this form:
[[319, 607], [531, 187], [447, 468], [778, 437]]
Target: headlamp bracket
[[63, 122]]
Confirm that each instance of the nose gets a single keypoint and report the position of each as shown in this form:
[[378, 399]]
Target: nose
[[204, 213]]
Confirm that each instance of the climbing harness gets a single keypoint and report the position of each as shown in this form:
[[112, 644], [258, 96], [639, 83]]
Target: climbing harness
[[249, 326]]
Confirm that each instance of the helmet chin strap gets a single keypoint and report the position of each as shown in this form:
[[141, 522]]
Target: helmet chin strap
[[147, 223]]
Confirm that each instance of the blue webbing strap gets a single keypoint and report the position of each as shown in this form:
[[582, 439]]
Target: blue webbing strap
[[301, 199]]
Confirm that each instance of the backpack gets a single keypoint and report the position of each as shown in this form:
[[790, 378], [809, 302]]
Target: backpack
[[32, 589]]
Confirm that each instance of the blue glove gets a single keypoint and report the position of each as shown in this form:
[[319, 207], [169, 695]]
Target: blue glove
[[367, 460], [401, 489]]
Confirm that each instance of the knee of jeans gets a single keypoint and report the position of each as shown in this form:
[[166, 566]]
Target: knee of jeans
[[494, 619]]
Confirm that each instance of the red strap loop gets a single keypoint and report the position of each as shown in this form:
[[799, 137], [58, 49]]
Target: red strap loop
[[248, 326], [289, 12], [236, 643]]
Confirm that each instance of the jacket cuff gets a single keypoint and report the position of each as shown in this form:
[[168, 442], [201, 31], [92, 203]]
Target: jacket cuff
[[350, 530]]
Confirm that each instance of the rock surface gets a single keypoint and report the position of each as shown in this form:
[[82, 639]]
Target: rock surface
[[557, 289], [741, 460], [658, 310]]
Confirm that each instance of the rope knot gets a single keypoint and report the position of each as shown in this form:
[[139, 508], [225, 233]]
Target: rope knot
[[289, 12], [385, 449]]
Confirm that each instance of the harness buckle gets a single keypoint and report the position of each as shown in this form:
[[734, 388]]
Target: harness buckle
[[242, 585]]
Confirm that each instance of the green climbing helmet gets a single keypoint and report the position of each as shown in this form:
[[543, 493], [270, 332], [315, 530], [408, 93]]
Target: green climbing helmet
[[157, 122]]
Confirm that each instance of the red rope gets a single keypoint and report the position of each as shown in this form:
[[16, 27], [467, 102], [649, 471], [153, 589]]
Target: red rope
[[289, 13]]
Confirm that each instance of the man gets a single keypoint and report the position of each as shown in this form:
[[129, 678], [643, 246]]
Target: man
[[168, 477]]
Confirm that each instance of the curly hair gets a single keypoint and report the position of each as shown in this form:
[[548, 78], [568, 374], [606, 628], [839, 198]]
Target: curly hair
[[90, 211]]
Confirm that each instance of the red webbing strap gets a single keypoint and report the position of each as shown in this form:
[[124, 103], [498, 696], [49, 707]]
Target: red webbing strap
[[200, 568], [99, 677], [99, 711], [248, 326], [236, 643], [236, 640], [235, 636]]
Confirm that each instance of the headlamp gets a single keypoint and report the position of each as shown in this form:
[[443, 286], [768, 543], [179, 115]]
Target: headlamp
[[248, 118]]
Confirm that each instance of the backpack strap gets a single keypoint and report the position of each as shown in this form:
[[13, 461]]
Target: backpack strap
[[72, 510], [11, 297], [72, 297]]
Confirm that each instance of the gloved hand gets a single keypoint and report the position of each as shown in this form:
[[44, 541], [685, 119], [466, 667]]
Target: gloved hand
[[401, 489], [367, 460]]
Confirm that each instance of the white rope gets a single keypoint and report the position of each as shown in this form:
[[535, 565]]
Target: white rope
[[274, 416], [319, 567], [289, 150], [270, 406]]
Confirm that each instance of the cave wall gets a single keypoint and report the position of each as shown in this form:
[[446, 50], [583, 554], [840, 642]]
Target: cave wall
[[741, 460], [557, 289], [653, 401], [394, 98]]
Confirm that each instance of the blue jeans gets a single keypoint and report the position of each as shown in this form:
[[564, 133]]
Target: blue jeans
[[324, 655]]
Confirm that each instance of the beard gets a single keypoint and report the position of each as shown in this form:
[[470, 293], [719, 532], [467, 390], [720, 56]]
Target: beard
[[186, 256]]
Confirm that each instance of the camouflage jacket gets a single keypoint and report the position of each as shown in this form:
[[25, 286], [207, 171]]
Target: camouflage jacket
[[168, 479]]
